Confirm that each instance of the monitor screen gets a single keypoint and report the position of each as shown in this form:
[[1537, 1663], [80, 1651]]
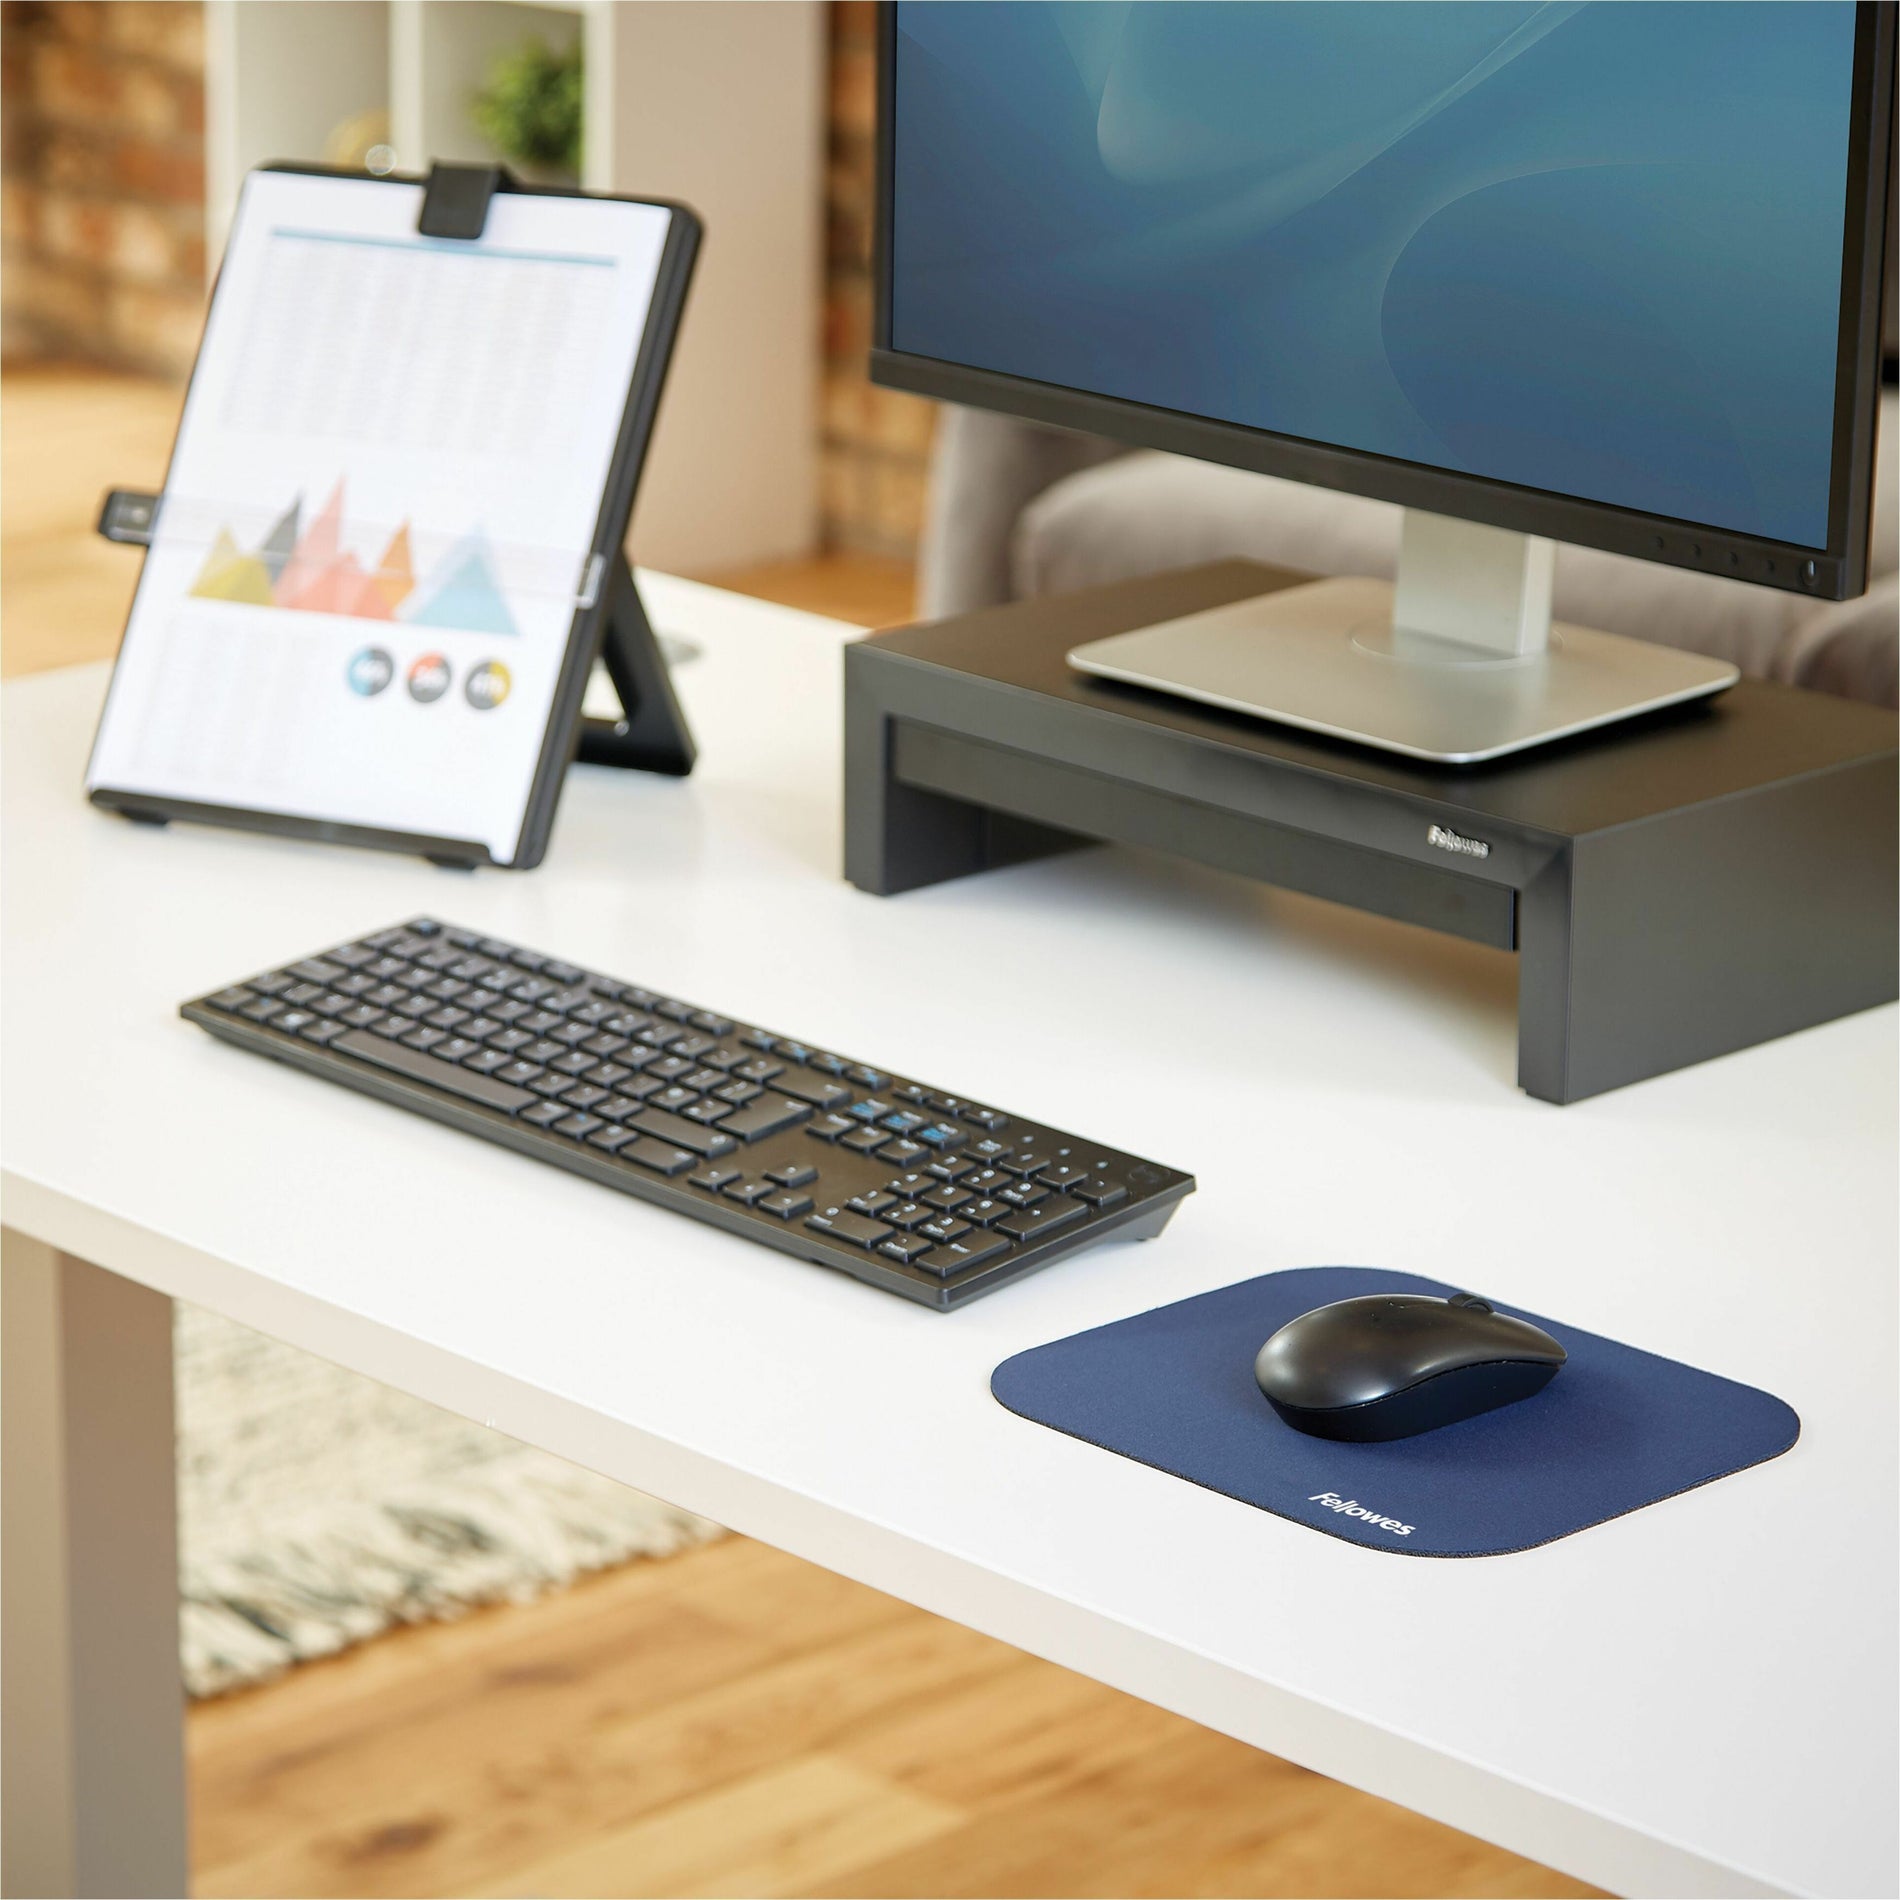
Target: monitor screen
[[1591, 249]]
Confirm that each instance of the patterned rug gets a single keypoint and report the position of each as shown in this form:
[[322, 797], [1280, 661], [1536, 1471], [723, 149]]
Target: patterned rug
[[317, 1508]]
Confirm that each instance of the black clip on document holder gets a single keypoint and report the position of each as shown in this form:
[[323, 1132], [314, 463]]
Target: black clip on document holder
[[651, 734]]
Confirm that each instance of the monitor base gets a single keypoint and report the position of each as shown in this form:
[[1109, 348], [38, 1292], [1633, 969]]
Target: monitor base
[[1326, 657]]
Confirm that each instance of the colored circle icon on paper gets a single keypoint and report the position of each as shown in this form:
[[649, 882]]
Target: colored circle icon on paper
[[428, 678], [370, 670], [487, 686]]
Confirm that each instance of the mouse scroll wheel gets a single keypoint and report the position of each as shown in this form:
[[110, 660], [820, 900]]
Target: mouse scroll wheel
[[1471, 1301]]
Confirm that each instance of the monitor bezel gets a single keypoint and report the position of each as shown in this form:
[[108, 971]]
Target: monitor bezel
[[1835, 572]]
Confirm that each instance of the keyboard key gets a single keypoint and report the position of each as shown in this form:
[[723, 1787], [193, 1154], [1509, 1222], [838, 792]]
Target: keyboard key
[[321, 1031], [910, 1092], [713, 1025], [543, 1051], [863, 1140], [758, 1039], [905, 1247], [302, 994], [942, 1136], [446, 1018], [904, 1123], [759, 1070], [764, 1117], [676, 1131], [361, 1016], [787, 1204], [519, 1074], [612, 1138], [853, 1229], [485, 1061], [830, 1127], [827, 1064], [1024, 1194], [954, 1168], [546, 1114], [578, 1126], [424, 1037], [1061, 1174], [793, 1051], [985, 1213], [1100, 1193], [945, 1227], [551, 1085], [603, 1045], [792, 1174], [1042, 1220], [873, 1203], [992, 1152], [708, 1111], [330, 1004], [616, 1108], [572, 1034], [981, 1181], [231, 1000], [660, 1156], [869, 1110], [574, 1063], [588, 1095], [695, 1048], [748, 1191], [819, 1094], [901, 1153], [700, 1080], [489, 1090], [908, 1214], [669, 1068], [947, 1198], [510, 1040], [722, 1059], [867, 1077], [986, 1118], [958, 1255], [675, 1098], [260, 1009], [317, 970], [713, 1179], [610, 1075], [911, 1186], [740, 1093], [292, 1021]]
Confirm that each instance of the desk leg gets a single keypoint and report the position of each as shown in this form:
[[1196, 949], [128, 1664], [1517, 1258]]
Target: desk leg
[[92, 1755]]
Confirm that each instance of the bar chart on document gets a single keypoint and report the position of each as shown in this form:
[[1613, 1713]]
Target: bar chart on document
[[381, 509]]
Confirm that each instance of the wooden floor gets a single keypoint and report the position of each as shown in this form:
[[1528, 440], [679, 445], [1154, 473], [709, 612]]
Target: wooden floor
[[730, 1721]]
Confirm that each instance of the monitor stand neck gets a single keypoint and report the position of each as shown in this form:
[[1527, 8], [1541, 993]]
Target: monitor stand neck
[[1471, 586]]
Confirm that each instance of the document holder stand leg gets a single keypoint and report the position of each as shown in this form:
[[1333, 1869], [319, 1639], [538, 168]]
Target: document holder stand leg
[[651, 734]]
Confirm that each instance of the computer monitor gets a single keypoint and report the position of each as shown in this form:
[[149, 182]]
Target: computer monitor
[[1601, 273]]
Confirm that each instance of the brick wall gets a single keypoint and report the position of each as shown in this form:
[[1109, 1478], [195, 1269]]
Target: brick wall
[[876, 441], [102, 181]]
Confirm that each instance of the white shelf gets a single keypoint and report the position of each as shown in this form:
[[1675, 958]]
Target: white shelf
[[721, 106]]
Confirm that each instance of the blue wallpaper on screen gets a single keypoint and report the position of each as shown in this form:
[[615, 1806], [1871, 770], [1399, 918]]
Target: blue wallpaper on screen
[[1589, 248]]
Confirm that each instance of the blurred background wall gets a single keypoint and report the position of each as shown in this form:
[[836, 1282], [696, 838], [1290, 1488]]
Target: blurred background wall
[[128, 122]]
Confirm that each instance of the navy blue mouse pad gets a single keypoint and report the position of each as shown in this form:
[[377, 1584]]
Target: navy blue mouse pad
[[1617, 1428]]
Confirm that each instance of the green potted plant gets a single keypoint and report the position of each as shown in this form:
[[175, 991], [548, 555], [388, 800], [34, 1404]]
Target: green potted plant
[[530, 111]]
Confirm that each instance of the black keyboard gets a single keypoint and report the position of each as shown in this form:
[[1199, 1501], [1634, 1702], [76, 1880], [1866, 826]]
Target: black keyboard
[[897, 1183]]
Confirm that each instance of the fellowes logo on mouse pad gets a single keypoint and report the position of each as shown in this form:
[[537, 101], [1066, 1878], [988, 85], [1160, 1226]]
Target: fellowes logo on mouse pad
[[1618, 1429]]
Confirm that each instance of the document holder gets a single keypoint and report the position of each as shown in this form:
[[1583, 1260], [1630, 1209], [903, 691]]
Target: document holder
[[610, 623]]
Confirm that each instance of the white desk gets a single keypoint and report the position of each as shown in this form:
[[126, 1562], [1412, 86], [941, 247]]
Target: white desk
[[1694, 1699]]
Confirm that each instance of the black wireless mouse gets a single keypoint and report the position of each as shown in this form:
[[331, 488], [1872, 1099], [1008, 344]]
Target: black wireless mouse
[[1389, 1365]]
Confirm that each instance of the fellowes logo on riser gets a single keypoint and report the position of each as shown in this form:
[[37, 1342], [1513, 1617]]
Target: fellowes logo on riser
[[1351, 1507], [1455, 841]]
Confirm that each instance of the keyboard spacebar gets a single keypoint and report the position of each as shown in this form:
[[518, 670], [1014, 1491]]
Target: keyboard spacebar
[[442, 1075]]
